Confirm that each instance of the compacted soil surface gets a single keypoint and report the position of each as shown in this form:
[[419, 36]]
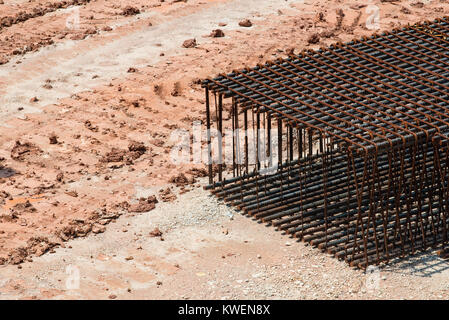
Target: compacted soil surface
[[91, 94]]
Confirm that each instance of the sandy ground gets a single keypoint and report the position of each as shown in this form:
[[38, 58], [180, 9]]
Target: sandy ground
[[208, 251], [87, 116]]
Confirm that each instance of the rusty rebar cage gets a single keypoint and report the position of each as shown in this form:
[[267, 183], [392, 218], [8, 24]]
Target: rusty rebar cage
[[359, 166]]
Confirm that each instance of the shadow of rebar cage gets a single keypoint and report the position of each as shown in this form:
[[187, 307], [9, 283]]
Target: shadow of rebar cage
[[345, 148]]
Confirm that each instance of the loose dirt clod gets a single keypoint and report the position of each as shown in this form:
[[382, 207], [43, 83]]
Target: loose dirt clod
[[189, 43], [181, 180], [156, 233], [246, 23], [166, 195], [53, 139], [197, 173], [418, 4], [217, 33], [98, 229], [290, 51], [144, 205], [24, 207], [340, 17], [60, 177], [320, 17], [314, 38], [130, 11], [177, 89], [136, 149], [24, 151], [115, 155], [405, 10]]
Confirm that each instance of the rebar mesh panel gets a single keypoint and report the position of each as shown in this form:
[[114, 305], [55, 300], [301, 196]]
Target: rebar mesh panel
[[365, 174]]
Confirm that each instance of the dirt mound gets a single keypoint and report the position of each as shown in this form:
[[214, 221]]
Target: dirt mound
[[36, 246]]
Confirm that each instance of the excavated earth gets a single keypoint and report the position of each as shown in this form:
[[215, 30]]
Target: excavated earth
[[91, 92]]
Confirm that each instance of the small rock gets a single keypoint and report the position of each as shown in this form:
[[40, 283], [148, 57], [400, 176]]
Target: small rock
[[190, 43], [98, 229], [156, 233], [314, 39], [144, 205], [246, 23], [405, 10], [290, 51], [217, 33], [60, 177], [53, 139], [130, 11]]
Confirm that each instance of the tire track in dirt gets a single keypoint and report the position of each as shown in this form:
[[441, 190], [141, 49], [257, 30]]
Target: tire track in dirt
[[73, 64], [69, 169]]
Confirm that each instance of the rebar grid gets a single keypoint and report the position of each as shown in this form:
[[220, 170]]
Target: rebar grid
[[362, 143]]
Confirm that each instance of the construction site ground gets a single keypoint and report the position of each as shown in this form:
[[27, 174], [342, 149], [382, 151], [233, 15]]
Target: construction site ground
[[87, 114]]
